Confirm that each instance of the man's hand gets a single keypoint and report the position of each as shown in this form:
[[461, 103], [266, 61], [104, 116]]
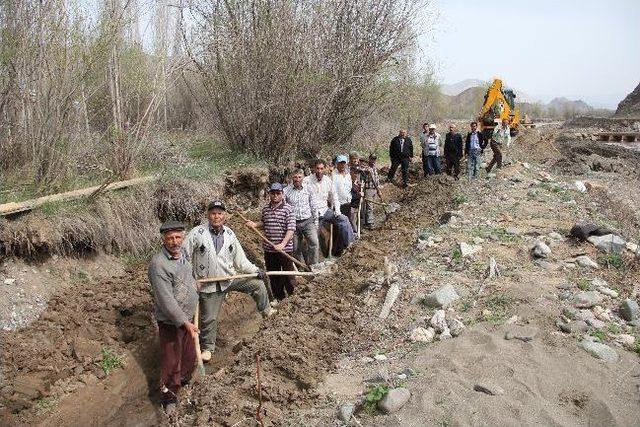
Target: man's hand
[[262, 275], [251, 224], [191, 328], [279, 247]]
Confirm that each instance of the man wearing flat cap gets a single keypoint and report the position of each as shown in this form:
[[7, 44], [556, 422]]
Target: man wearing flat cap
[[215, 251], [175, 297], [279, 222]]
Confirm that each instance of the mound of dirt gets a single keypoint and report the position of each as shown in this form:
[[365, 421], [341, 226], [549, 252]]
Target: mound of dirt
[[630, 105]]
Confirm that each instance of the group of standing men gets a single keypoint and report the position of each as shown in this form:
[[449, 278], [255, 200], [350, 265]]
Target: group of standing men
[[433, 148], [294, 214]]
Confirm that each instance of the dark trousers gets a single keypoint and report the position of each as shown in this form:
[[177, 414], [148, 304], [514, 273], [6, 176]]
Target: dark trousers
[[453, 166], [430, 165], [275, 261], [342, 230], [404, 165], [177, 359], [497, 156]]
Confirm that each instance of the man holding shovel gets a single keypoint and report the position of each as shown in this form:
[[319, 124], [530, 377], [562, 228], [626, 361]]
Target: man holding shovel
[[175, 297], [279, 222], [216, 252]]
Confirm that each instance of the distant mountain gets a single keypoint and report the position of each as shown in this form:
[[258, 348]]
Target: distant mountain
[[564, 104], [630, 105], [456, 88]]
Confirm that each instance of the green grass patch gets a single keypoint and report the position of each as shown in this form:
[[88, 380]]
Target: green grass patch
[[499, 307], [456, 255], [614, 328], [110, 361], [583, 284], [636, 347], [44, 405], [459, 199], [373, 395], [612, 261], [597, 333]]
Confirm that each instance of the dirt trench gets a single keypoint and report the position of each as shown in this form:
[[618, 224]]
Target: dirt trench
[[53, 373]]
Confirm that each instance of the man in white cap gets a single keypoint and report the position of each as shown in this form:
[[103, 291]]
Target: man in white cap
[[431, 151], [215, 251]]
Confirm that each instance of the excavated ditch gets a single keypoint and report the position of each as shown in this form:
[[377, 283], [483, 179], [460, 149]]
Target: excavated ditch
[[53, 369]]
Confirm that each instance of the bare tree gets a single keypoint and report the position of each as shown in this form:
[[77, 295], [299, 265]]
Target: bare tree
[[282, 77]]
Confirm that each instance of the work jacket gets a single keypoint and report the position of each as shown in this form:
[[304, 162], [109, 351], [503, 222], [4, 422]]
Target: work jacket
[[481, 140], [431, 145], [395, 153], [453, 146], [206, 262]]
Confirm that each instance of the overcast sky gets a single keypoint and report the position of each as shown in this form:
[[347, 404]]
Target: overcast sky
[[587, 49]]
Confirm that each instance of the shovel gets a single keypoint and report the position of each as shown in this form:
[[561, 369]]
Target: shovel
[[200, 372]]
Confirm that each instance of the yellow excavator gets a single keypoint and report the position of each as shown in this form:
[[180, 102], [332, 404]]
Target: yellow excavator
[[499, 104]]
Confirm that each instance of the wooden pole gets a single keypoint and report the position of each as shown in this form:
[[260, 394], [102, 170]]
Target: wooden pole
[[359, 212], [253, 275], [196, 321], [264, 238], [330, 241]]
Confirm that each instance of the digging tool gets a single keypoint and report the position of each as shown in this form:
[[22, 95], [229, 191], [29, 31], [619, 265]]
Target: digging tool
[[359, 212], [330, 241], [264, 239], [389, 208], [253, 275], [196, 321]]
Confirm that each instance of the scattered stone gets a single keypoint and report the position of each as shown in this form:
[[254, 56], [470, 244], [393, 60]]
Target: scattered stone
[[541, 250], [381, 377], [599, 350], [366, 359], [9, 282], [585, 261], [442, 297], [455, 327], [522, 333], [608, 292], [394, 400], [402, 376], [380, 357], [345, 412], [626, 340], [546, 264], [489, 388], [438, 321], [571, 313], [545, 177], [556, 236], [574, 326], [596, 323], [587, 299], [445, 335], [602, 314], [421, 334], [468, 250], [580, 186], [513, 319], [478, 240], [512, 230], [609, 243], [629, 310]]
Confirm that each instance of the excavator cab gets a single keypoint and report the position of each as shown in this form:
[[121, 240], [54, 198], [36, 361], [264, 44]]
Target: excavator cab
[[499, 104]]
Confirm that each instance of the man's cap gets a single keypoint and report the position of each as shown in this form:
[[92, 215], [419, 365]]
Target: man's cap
[[276, 186], [216, 204], [341, 158], [172, 225], [432, 126]]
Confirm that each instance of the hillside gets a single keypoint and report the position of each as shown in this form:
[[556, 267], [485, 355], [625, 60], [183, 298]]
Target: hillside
[[630, 106]]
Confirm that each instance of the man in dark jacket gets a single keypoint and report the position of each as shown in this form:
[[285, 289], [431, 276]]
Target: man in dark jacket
[[453, 151], [401, 153], [473, 148]]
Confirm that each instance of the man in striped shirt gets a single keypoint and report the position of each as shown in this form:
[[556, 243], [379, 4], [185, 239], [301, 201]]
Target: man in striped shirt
[[279, 222], [303, 201]]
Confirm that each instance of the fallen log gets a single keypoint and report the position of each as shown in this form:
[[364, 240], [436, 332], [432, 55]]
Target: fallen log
[[16, 207]]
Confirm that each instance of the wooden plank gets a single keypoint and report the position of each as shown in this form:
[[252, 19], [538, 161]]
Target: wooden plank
[[16, 207]]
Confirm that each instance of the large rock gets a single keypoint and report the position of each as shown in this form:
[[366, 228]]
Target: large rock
[[421, 334], [488, 387], [630, 105], [585, 261], [541, 250], [468, 250], [587, 299], [574, 326], [629, 310], [455, 327], [599, 350], [609, 243], [345, 412], [582, 231], [442, 297], [438, 321], [394, 400]]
